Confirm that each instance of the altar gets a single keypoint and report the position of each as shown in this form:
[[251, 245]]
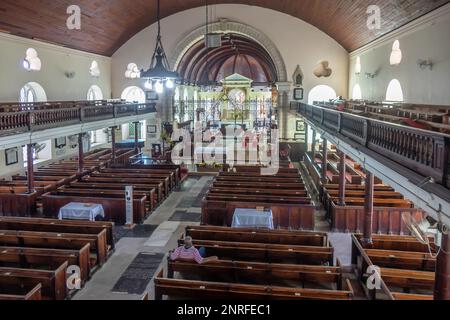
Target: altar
[[237, 105]]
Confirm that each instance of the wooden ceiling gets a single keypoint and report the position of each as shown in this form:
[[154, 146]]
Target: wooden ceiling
[[108, 24]]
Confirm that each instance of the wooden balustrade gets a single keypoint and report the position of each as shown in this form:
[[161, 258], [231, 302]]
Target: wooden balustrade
[[425, 152], [331, 121], [97, 113], [18, 118], [14, 122]]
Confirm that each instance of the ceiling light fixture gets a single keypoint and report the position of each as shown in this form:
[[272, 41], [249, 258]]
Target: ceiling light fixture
[[159, 71]]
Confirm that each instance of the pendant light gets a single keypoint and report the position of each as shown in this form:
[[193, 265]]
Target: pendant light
[[159, 72]]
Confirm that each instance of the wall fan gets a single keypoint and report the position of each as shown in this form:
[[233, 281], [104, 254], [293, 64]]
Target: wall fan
[[422, 230], [73, 141], [38, 147]]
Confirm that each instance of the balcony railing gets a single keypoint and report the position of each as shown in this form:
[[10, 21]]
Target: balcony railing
[[425, 152], [21, 118]]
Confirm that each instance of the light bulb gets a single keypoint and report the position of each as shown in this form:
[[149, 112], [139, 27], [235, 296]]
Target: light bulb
[[26, 64], [169, 84], [148, 85], [159, 87]]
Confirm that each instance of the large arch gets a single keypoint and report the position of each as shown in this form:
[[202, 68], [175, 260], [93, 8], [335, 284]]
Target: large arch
[[237, 54], [226, 26]]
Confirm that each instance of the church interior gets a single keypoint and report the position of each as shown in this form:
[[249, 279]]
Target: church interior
[[224, 149]]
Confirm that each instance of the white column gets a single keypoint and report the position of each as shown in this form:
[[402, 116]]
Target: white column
[[284, 91]]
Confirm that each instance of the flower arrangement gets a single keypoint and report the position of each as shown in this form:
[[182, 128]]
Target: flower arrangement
[[213, 165]]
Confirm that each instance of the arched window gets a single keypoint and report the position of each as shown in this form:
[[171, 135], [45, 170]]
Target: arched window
[[357, 93], [321, 93], [94, 93], [32, 92], [133, 94], [394, 91]]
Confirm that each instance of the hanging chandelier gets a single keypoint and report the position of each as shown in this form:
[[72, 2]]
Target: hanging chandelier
[[159, 74]]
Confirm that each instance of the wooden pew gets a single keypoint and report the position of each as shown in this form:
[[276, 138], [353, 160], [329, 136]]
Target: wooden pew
[[64, 226], [386, 220], [402, 259], [412, 272], [262, 252], [259, 185], [132, 177], [53, 281], [59, 226], [407, 279], [260, 236], [294, 175], [294, 215], [352, 187], [171, 167], [52, 240], [113, 205], [217, 290], [351, 175], [408, 296], [398, 243], [378, 202], [105, 192], [27, 293], [150, 192], [225, 190], [361, 194], [147, 173], [159, 186], [249, 272], [257, 169], [21, 187], [19, 205], [54, 181], [265, 179], [26, 257], [103, 177], [256, 197], [381, 198]]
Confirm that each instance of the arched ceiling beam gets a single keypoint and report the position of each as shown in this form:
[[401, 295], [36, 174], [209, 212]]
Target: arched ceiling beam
[[193, 57], [196, 59], [199, 72]]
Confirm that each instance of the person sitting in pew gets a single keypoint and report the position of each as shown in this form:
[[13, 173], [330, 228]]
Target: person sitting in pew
[[188, 252]]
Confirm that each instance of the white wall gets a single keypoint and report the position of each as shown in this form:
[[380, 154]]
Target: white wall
[[56, 61], [428, 37], [298, 42]]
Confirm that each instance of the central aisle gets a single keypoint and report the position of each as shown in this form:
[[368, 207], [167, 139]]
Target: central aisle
[[126, 274]]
